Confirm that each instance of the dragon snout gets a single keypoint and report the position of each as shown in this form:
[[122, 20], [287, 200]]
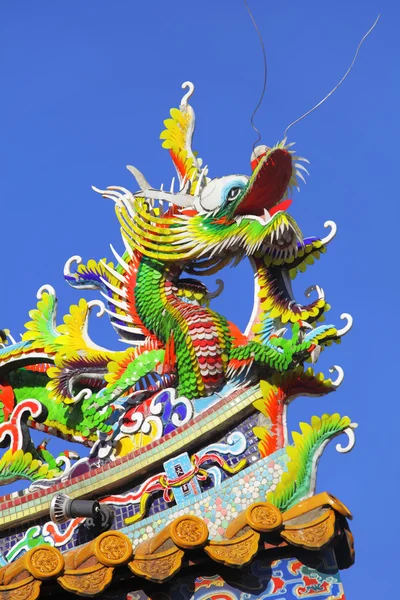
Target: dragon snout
[[268, 183]]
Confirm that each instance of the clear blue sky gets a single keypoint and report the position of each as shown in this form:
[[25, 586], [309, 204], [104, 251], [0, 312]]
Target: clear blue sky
[[85, 87]]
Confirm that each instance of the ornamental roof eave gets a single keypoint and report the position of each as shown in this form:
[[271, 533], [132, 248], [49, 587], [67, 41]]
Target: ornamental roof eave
[[313, 525]]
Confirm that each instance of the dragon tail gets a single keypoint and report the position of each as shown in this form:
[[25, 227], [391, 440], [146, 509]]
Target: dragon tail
[[298, 481]]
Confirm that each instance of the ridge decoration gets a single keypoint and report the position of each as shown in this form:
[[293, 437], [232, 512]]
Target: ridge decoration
[[203, 404]]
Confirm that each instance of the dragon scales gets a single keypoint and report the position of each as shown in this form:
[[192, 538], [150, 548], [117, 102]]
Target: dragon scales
[[83, 391]]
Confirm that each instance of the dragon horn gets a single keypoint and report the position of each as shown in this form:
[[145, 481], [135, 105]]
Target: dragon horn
[[218, 291], [190, 86], [181, 200], [140, 178]]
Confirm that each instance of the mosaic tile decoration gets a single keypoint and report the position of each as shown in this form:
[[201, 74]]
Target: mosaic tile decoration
[[282, 579], [83, 534], [189, 417], [112, 473]]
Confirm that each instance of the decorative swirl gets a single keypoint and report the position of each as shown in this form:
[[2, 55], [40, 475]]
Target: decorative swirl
[[338, 381], [13, 428], [148, 422], [348, 325], [84, 394], [63, 460], [315, 288], [332, 232], [352, 439], [76, 279], [156, 408], [190, 85], [216, 474], [99, 304], [135, 422], [235, 445], [46, 288], [218, 291], [67, 267], [176, 419]]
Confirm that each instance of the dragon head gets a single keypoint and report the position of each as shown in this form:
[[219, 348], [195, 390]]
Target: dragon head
[[209, 222]]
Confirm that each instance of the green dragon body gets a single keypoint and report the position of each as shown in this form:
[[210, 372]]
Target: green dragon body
[[185, 365], [175, 338]]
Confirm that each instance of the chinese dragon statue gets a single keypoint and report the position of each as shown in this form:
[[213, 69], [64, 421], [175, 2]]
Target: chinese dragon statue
[[188, 420]]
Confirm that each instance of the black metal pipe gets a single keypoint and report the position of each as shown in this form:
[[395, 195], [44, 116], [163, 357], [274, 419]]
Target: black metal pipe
[[82, 508]]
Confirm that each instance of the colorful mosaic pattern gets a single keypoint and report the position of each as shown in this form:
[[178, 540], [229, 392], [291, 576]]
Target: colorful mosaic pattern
[[283, 579], [175, 338], [242, 441], [190, 417]]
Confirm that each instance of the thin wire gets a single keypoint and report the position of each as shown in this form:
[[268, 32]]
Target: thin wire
[[340, 82], [265, 74]]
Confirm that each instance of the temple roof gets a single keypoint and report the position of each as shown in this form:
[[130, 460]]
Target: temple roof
[[312, 525]]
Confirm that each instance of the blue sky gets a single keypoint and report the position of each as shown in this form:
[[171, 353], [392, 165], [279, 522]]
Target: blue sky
[[85, 87]]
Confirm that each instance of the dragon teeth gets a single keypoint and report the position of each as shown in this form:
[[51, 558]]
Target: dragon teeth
[[301, 167], [267, 216], [299, 174]]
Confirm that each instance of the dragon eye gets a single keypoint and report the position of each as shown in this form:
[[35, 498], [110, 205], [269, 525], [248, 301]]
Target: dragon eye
[[234, 193]]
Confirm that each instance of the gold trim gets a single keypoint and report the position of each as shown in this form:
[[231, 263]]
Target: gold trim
[[88, 569], [112, 548], [44, 562], [189, 532], [87, 584], [236, 552], [27, 589], [317, 501], [313, 535], [157, 567], [264, 517]]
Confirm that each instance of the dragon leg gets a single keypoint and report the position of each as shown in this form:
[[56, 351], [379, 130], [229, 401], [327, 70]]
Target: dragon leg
[[98, 408], [281, 353]]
